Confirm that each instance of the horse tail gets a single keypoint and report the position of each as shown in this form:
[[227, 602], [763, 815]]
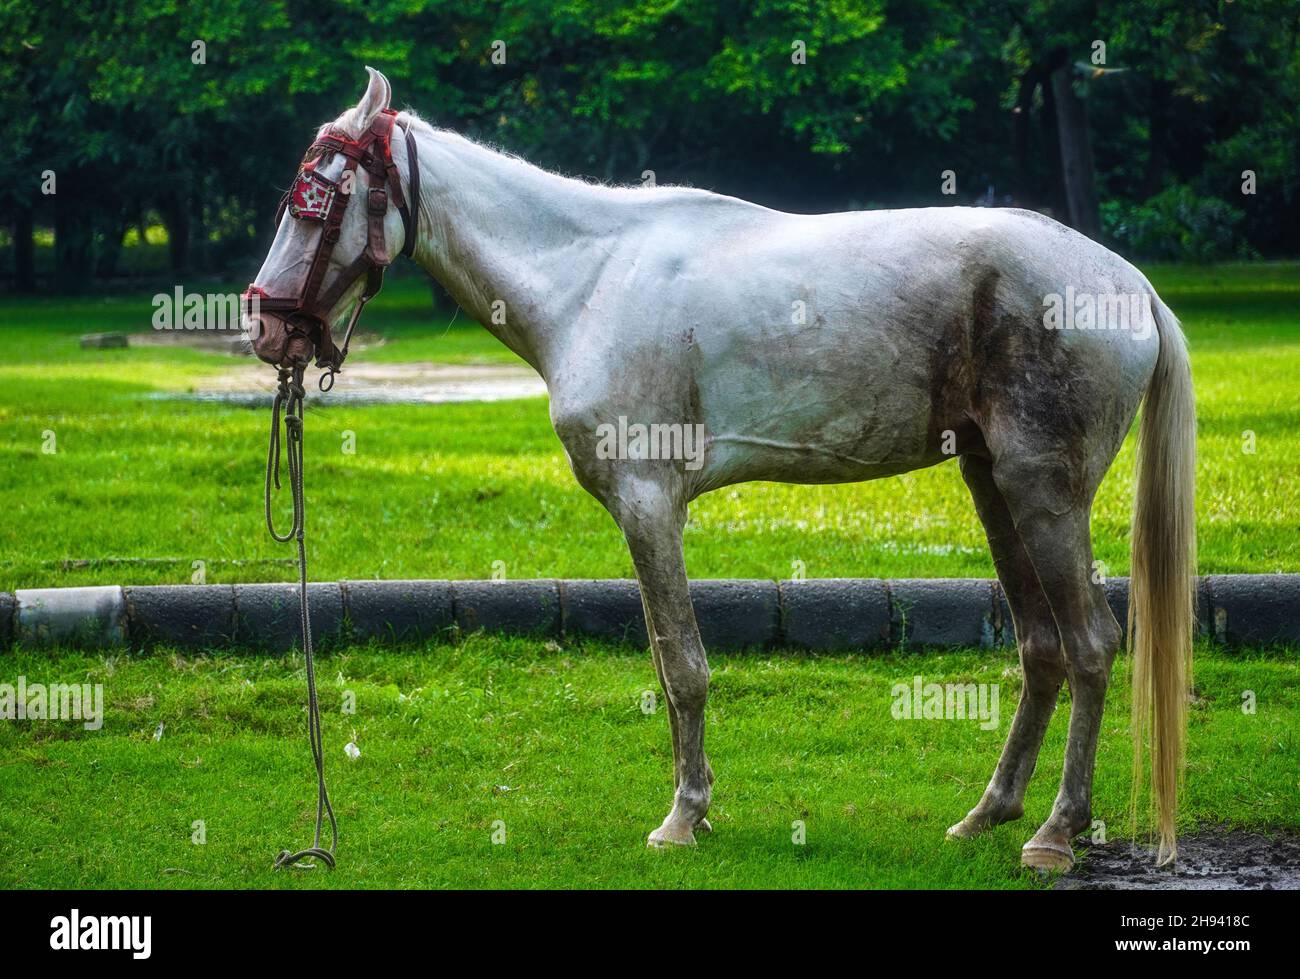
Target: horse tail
[[1162, 592]]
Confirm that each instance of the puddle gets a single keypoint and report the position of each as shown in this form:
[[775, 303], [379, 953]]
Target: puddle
[[360, 383], [1207, 861], [233, 342], [252, 383]]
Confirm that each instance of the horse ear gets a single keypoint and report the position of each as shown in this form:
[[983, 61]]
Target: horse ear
[[375, 100]]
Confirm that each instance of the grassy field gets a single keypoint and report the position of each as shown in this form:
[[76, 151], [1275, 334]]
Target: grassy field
[[551, 740], [447, 490]]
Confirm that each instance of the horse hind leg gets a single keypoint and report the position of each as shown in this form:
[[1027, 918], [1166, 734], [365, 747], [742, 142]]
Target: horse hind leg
[[1041, 658], [1050, 500]]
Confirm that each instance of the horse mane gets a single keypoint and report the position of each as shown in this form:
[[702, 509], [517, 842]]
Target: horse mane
[[349, 123]]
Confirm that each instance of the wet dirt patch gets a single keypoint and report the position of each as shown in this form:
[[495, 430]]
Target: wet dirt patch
[[232, 342], [1212, 860], [253, 384]]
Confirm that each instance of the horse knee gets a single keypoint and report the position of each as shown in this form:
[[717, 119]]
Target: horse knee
[[1090, 656], [1088, 666], [1043, 661], [686, 682], [688, 694]]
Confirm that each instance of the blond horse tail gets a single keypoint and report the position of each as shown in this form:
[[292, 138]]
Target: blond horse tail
[[1162, 594]]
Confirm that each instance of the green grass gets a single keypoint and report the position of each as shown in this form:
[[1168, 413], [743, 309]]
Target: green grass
[[447, 490], [551, 741], [550, 738]]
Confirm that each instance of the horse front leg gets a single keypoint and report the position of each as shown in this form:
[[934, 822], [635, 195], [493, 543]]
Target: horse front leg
[[652, 518], [672, 713]]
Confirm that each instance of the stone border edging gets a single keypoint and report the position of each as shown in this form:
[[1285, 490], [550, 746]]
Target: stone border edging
[[824, 615]]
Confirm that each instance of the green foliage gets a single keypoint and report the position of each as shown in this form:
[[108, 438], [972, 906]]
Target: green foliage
[[708, 92], [1177, 225]]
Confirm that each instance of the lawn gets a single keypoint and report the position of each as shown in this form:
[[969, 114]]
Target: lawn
[[143, 484], [551, 741]]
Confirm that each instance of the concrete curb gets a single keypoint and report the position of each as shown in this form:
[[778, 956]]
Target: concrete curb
[[181, 615], [822, 615], [1249, 610], [8, 610], [942, 612], [91, 616], [603, 609], [737, 613], [398, 611], [827, 614], [519, 608], [267, 616]]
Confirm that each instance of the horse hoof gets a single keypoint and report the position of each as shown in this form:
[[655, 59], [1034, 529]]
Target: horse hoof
[[960, 831], [1047, 857], [703, 826], [667, 835]]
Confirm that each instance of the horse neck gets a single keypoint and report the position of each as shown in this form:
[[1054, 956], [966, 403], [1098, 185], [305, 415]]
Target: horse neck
[[515, 246]]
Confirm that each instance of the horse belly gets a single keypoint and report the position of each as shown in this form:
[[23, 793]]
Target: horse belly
[[846, 406]]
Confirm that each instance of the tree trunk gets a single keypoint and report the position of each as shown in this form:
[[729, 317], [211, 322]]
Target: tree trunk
[[24, 251], [1052, 148], [72, 249], [1023, 191], [199, 252], [110, 246], [176, 216], [1077, 167], [1157, 134]]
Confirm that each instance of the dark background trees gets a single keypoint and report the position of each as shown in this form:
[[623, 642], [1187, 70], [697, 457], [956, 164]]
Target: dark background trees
[[1144, 149]]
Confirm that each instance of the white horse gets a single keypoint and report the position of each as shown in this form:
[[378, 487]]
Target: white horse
[[835, 348]]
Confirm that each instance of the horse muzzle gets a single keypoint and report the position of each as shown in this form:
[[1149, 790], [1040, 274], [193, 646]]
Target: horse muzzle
[[278, 341]]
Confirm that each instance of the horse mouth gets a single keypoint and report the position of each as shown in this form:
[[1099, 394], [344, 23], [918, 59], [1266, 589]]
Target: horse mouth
[[277, 341]]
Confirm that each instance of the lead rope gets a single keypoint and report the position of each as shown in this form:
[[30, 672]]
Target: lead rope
[[289, 398]]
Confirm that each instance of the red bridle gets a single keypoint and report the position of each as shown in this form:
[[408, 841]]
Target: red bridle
[[315, 197]]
